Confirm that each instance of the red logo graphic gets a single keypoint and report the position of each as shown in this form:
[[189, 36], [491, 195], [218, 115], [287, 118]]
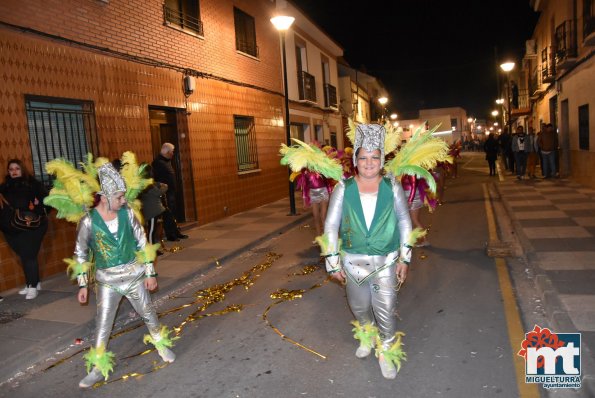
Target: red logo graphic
[[539, 338]]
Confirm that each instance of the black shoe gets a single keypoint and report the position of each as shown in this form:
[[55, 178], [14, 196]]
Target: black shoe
[[159, 253], [173, 239], [183, 236]]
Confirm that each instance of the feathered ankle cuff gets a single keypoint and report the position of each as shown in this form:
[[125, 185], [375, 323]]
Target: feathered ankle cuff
[[394, 353], [366, 334], [101, 359], [163, 341]]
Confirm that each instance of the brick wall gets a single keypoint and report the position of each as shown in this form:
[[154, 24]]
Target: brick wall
[[123, 90]]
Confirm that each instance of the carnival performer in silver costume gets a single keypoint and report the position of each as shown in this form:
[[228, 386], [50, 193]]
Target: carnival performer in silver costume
[[117, 240], [367, 227]]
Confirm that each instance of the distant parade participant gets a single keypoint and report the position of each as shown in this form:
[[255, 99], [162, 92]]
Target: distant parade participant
[[123, 262]]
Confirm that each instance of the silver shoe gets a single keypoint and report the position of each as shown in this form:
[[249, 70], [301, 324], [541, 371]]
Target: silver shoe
[[388, 369], [91, 379], [363, 351], [166, 354]]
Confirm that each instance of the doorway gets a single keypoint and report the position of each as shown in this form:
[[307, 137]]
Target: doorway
[[565, 139], [164, 128]]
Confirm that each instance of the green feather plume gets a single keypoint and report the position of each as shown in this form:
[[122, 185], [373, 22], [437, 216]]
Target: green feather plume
[[148, 254], [75, 268], [133, 176], [73, 190], [164, 339], [100, 359], [302, 155], [350, 130], [324, 244], [422, 150], [366, 334], [416, 235], [395, 353]]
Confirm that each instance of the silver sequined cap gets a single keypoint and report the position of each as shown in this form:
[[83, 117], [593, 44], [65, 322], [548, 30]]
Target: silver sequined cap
[[110, 180], [370, 137]]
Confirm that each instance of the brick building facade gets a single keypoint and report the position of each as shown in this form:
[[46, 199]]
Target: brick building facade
[[119, 66]]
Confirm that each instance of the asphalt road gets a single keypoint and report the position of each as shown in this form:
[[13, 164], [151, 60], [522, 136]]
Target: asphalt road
[[231, 342]]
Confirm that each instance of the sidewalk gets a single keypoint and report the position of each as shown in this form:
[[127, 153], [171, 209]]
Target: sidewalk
[[31, 331], [555, 222]]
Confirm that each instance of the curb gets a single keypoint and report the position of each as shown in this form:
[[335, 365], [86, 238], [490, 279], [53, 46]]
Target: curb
[[554, 309], [42, 354]]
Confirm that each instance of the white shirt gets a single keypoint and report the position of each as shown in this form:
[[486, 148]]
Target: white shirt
[[368, 201]]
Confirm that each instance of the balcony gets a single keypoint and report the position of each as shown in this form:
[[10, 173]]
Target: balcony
[[182, 20], [548, 67], [536, 85], [521, 105], [330, 96], [566, 50], [307, 87], [589, 30]]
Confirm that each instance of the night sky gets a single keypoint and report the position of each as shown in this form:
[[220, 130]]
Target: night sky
[[429, 53]]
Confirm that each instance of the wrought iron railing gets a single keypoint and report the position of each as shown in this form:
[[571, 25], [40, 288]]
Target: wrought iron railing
[[183, 20], [307, 86], [548, 68], [565, 41], [330, 96]]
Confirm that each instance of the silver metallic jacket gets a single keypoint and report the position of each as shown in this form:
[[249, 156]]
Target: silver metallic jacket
[[333, 222], [84, 234]]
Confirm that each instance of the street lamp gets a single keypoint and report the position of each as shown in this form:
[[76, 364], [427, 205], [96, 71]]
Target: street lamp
[[383, 101], [507, 67], [394, 116], [282, 23]]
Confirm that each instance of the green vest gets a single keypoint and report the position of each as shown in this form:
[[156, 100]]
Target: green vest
[[108, 250], [383, 236]]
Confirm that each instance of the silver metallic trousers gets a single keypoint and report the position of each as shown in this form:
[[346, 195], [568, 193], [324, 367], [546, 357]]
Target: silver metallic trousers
[[372, 292], [113, 283]]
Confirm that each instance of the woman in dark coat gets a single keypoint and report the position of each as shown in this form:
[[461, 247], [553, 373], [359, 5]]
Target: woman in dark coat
[[491, 149], [22, 191]]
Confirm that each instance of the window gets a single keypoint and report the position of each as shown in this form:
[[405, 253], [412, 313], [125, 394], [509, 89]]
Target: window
[[245, 33], [184, 14], [583, 127], [453, 123], [245, 135], [59, 128]]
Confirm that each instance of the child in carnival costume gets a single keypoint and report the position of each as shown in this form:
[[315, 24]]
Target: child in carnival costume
[[368, 238], [111, 233]]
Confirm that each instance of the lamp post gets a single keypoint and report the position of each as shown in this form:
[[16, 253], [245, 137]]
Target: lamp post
[[383, 100], [507, 67], [282, 24]]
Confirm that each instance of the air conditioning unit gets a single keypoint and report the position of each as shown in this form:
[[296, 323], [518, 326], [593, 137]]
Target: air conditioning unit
[[530, 48]]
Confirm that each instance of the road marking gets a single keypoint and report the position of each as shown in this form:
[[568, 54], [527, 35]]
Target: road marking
[[516, 333]]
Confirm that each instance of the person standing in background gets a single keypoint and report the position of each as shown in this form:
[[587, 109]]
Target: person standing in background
[[23, 192], [548, 144], [163, 172]]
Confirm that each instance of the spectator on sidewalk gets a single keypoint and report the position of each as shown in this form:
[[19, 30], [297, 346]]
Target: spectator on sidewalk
[[505, 149], [490, 147], [22, 192], [163, 171], [152, 207], [548, 144], [532, 156], [520, 148], [370, 214]]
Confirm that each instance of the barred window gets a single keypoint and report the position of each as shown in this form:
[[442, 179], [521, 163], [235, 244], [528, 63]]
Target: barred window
[[245, 32], [184, 14], [245, 136], [59, 128]]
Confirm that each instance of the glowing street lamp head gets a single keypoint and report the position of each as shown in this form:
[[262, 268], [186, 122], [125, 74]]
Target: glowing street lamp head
[[494, 113], [282, 22], [500, 101], [383, 100], [393, 116], [470, 120], [507, 66]]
